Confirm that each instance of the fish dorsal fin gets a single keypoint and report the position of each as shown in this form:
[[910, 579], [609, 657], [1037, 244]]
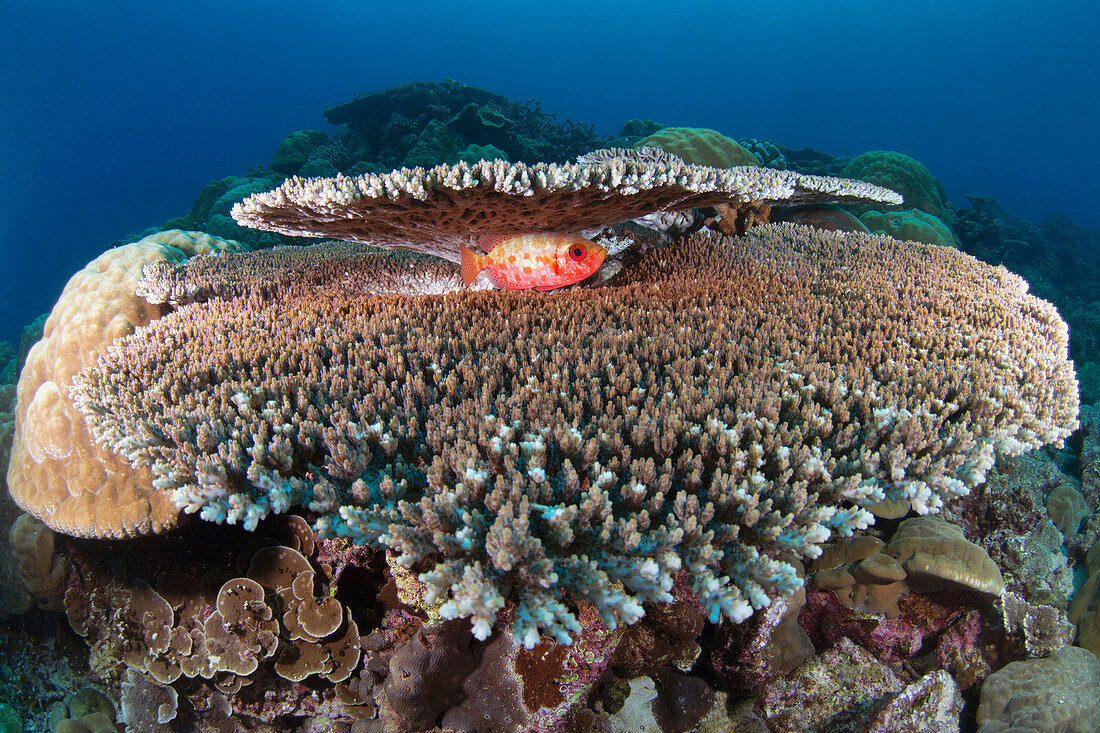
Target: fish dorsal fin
[[488, 242]]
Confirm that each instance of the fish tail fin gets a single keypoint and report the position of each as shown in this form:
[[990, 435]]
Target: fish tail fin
[[472, 264]]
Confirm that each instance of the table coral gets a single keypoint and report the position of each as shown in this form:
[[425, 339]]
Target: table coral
[[434, 211], [729, 402]]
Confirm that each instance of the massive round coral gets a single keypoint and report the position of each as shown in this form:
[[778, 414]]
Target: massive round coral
[[728, 406], [56, 471], [700, 146], [903, 174]]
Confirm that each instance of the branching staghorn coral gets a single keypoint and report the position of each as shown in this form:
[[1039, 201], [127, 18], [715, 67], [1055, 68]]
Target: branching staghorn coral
[[329, 266], [727, 407]]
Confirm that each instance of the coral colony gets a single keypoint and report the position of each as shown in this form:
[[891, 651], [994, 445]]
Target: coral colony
[[620, 456], [427, 502]]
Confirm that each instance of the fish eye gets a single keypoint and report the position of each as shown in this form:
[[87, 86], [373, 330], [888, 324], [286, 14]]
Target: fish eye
[[577, 252]]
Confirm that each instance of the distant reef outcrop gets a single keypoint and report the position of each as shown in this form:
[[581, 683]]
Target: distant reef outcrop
[[428, 123]]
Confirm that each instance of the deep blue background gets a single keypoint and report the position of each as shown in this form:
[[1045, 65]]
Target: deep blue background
[[114, 115]]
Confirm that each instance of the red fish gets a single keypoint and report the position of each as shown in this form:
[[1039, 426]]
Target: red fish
[[540, 260]]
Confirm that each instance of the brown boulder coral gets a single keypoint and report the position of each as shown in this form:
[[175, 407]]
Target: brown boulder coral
[[435, 210], [42, 570], [700, 146], [731, 403], [56, 471], [905, 175], [1085, 609], [912, 224], [1055, 693]]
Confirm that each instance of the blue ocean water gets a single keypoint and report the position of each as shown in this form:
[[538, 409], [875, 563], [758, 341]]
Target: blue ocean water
[[114, 115]]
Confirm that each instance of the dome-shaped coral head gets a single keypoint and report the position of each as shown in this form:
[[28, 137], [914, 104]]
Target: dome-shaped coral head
[[539, 260]]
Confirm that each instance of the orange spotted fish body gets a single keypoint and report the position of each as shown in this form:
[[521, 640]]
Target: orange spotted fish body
[[540, 260]]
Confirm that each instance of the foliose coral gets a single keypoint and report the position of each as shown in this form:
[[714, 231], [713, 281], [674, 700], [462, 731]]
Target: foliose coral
[[263, 628], [925, 554], [936, 555], [730, 404], [147, 706], [1039, 630]]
